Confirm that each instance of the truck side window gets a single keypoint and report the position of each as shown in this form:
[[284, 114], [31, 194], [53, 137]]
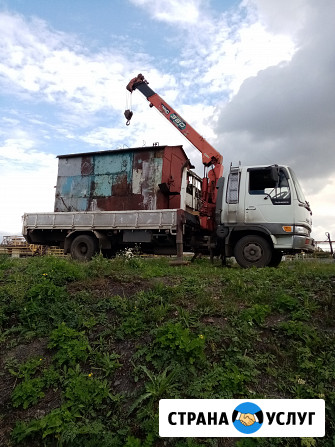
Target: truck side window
[[262, 184], [233, 187]]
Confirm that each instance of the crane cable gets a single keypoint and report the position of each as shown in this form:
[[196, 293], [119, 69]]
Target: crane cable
[[128, 113]]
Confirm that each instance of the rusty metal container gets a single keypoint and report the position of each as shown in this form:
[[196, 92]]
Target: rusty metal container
[[145, 178]]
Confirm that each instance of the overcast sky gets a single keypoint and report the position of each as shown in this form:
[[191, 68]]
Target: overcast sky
[[254, 77]]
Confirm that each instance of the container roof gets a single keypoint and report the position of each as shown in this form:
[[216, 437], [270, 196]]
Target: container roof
[[128, 149]]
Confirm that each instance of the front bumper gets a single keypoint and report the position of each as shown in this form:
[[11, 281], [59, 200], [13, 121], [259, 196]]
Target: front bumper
[[303, 243], [293, 243]]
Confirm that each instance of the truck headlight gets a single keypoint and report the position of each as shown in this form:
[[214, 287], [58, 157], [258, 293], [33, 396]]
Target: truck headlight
[[301, 230]]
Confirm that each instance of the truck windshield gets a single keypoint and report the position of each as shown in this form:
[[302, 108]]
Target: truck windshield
[[300, 194]]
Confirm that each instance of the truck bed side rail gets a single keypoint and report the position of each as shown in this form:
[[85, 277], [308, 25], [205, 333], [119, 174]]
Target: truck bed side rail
[[102, 220]]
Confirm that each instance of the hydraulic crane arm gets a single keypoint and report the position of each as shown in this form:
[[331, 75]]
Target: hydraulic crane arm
[[210, 156]]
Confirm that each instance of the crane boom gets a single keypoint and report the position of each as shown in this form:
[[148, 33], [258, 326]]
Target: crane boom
[[210, 156]]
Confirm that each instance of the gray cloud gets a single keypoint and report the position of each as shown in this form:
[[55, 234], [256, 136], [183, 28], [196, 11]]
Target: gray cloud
[[286, 113]]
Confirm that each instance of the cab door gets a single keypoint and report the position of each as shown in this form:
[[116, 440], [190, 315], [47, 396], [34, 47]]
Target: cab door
[[268, 196]]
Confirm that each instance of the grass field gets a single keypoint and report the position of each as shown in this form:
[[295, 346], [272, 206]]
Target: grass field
[[88, 350]]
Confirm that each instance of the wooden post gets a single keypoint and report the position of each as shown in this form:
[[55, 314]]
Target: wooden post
[[179, 239], [179, 243]]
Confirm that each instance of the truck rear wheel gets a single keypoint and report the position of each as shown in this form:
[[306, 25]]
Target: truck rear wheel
[[83, 247], [253, 251]]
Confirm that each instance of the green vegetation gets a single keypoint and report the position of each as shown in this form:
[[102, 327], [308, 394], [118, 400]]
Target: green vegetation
[[89, 349]]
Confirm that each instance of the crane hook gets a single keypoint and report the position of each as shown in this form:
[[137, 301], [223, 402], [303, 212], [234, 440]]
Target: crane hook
[[128, 114]]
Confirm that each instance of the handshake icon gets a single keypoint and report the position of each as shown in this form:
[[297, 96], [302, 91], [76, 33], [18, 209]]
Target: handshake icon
[[248, 419]]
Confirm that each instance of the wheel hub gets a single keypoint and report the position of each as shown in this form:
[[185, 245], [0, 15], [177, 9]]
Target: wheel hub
[[252, 252], [83, 249]]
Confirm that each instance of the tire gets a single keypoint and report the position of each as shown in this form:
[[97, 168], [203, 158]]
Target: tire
[[276, 259], [253, 251], [84, 247]]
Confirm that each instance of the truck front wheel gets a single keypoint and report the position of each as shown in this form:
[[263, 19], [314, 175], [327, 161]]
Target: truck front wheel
[[83, 247], [275, 259], [252, 251]]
